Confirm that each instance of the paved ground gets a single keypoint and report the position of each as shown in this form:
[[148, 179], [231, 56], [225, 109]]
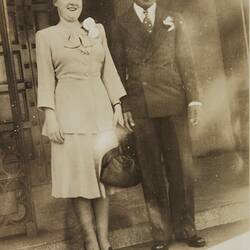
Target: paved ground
[[222, 196], [234, 236]]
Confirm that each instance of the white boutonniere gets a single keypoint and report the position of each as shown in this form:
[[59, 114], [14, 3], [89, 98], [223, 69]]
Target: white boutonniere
[[90, 26], [169, 22]]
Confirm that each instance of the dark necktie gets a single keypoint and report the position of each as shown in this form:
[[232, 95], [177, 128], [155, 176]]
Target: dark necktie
[[147, 22]]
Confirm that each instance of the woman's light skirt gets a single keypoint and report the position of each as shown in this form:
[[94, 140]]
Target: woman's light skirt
[[76, 164]]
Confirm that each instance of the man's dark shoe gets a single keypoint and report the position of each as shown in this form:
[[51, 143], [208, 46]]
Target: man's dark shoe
[[195, 241], [160, 246]]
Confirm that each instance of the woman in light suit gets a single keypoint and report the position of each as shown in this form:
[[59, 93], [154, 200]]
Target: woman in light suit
[[79, 90]]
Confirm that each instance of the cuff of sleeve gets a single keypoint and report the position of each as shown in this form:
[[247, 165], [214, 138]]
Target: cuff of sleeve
[[42, 107], [195, 103], [43, 103]]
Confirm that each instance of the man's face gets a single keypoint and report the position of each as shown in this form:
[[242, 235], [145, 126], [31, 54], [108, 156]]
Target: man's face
[[145, 3], [69, 10]]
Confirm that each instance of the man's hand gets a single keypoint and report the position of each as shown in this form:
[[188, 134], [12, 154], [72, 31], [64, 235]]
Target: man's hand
[[128, 121], [194, 113]]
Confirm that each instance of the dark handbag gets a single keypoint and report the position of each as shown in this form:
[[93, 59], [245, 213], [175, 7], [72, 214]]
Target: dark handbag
[[120, 165]]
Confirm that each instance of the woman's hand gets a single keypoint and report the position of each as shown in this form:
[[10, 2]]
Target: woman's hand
[[118, 117], [54, 131]]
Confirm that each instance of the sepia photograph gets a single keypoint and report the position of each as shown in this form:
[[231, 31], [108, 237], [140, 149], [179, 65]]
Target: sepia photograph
[[124, 125]]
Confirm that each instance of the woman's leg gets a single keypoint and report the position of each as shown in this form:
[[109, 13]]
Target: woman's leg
[[101, 210], [83, 210]]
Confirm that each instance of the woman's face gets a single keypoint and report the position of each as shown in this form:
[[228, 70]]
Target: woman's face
[[69, 10]]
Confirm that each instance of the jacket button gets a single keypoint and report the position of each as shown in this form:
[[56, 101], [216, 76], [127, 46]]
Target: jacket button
[[144, 83]]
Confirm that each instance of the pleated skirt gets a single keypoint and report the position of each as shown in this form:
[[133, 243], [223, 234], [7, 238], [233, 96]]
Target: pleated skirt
[[76, 165]]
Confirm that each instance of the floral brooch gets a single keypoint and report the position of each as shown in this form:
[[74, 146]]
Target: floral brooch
[[90, 26], [169, 22]]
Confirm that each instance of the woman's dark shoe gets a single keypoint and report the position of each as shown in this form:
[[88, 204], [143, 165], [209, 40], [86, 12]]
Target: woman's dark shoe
[[160, 246], [195, 241], [110, 248]]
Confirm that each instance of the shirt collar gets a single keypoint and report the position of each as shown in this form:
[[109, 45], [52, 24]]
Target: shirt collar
[[140, 11]]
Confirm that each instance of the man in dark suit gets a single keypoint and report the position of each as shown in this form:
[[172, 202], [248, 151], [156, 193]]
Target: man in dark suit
[[150, 48]]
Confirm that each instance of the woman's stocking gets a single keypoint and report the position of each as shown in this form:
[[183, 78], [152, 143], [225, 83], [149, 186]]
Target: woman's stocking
[[101, 210], [84, 213]]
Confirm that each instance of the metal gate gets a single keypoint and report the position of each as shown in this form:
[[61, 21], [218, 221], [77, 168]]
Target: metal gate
[[23, 152]]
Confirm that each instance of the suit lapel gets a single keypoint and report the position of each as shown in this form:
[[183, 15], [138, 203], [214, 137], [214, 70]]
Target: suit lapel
[[132, 24], [159, 33]]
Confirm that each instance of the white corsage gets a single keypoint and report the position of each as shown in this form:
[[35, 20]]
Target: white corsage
[[169, 22], [90, 26]]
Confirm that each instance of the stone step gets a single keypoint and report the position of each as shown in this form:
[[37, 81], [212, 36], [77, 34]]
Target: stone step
[[220, 199], [137, 234]]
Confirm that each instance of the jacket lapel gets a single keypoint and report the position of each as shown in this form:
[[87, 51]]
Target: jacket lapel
[[159, 34], [132, 24]]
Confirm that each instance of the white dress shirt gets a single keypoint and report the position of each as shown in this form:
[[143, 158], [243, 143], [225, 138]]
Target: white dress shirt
[[140, 12]]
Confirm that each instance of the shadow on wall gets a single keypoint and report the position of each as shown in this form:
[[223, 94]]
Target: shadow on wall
[[225, 116]]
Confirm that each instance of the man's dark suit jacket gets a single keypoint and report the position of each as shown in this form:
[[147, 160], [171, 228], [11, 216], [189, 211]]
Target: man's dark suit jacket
[[156, 69]]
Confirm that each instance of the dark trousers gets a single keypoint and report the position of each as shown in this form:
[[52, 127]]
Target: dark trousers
[[168, 186]]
